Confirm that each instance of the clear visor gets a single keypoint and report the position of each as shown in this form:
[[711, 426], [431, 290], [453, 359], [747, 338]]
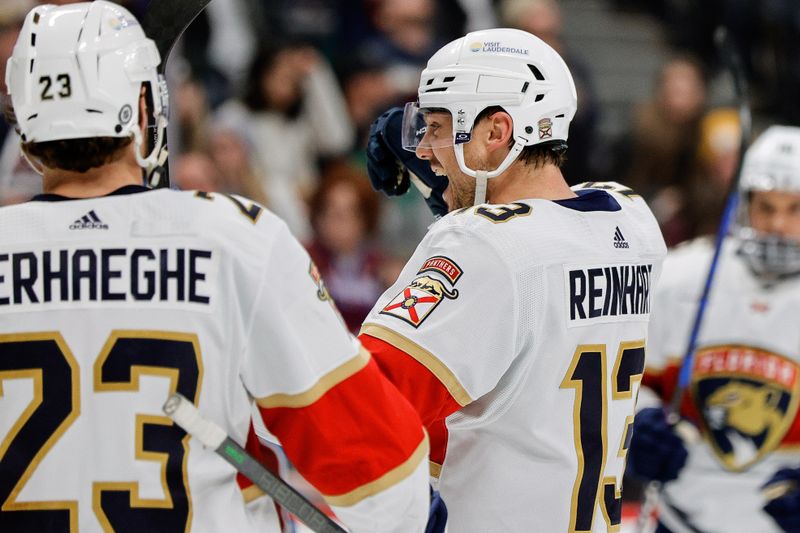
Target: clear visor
[[426, 128]]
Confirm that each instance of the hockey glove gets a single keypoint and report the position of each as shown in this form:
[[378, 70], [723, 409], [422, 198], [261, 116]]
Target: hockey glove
[[782, 492], [437, 516], [656, 452], [390, 166]]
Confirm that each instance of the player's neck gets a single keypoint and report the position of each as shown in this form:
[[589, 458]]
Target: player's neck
[[95, 182], [522, 182]]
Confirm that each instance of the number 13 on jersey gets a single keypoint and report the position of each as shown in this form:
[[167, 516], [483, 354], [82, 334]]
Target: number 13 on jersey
[[594, 437]]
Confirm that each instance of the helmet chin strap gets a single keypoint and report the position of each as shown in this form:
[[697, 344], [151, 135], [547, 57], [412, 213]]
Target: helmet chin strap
[[482, 177], [157, 157]]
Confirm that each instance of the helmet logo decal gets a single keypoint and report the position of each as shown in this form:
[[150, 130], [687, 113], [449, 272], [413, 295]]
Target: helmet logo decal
[[497, 47], [545, 128], [121, 22], [125, 114]]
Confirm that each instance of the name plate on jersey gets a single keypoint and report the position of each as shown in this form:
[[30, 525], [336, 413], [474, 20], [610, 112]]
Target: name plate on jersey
[[747, 398], [31, 279], [607, 293]]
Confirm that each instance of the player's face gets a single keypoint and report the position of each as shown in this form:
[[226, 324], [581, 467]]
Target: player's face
[[776, 213], [437, 147]]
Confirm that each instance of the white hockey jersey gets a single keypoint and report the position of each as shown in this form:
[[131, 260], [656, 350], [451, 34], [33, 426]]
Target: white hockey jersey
[[744, 391], [533, 318], [108, 305]]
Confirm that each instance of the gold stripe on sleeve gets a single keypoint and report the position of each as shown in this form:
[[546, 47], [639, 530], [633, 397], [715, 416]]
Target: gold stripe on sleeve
[[389, 479], [435, 468], [424, 357], [325, 383], [251, 493]]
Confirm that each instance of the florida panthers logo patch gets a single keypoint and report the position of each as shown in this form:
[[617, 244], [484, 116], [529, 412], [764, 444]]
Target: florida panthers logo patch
[[748, 399], [418, 300]]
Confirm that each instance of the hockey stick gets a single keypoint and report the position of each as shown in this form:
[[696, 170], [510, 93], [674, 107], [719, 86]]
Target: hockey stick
[[185, 414], [731, 59], [164, 22]]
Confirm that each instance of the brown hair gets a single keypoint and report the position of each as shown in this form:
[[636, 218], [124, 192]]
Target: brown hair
[[77, 155], [342, 172], [538, 155]]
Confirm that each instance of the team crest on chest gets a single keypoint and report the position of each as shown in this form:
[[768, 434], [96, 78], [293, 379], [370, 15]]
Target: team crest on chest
[[747, 398], [419, 298]]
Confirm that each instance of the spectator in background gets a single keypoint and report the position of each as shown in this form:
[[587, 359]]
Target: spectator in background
[[294, 113], [367, 90], [717, 156], [543, 19], [18, 182], [656, 155], [191, 116], [235, 168], [344, 214], [194, 171], [406, 39]]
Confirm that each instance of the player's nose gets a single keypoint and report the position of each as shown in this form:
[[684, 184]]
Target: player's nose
[[424, 152]]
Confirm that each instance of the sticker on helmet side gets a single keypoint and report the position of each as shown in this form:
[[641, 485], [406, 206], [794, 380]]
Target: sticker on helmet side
[[497, 47]]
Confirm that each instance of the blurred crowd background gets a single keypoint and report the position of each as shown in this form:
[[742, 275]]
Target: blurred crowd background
[[273, 99]]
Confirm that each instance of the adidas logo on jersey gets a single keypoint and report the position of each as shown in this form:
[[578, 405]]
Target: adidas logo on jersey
[[619, 239], [89, 221]]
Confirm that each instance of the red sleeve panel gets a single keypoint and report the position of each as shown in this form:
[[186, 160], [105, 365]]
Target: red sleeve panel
[[351, 435], [433, 397]]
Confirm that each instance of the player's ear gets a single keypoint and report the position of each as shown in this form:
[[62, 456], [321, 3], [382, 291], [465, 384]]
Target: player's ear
[[501, 130]]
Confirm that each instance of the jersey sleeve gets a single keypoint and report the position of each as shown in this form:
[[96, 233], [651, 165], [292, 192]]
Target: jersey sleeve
[[454, 312], [346, 429]]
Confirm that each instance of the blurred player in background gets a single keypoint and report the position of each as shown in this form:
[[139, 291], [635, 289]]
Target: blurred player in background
[[113, 296], [517, 329], [745, 384]]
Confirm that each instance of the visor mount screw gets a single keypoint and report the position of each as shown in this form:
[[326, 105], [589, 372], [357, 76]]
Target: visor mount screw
[[117, 128], [528, 129]]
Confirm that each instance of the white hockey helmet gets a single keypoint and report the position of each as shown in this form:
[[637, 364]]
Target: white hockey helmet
[[772, 163], [77, 72], [497, 67]]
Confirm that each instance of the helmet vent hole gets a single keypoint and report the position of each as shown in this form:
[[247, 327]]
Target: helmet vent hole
[[538, 97], [33, 116], [448, 79], [536, 72], [436, 90], [525, 87], [429, 81], [31, 67], [33, 39], [94, 111], [560, 116], [36, 18]]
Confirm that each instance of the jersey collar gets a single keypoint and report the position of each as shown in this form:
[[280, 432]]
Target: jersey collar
[[127, 189], [590, 200]]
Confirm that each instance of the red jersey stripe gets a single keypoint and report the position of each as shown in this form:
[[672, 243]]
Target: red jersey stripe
[[424, 357], [362, 444], [431, 398]]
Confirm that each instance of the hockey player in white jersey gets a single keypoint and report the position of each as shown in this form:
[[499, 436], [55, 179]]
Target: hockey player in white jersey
[[113, 296], [518, 327], [744, 389]]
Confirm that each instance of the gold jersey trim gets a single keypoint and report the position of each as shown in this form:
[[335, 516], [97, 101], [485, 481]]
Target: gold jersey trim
[[323, 385], [389, 479], [251, 493], [435, 469], [424, 357]]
